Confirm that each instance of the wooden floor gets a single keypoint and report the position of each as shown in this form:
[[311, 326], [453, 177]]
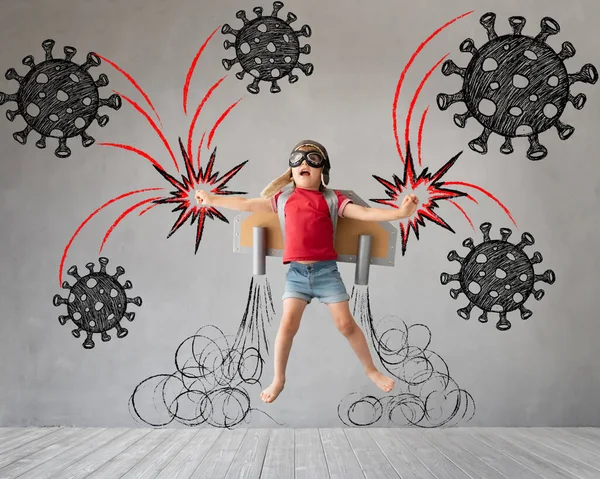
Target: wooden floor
[[476, 453]]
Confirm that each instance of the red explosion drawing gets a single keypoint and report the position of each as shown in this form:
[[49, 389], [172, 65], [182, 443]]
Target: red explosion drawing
[[429, 188], [195, 176]]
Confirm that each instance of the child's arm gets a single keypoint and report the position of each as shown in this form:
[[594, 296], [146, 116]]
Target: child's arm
[[406, 209], [239, 203]]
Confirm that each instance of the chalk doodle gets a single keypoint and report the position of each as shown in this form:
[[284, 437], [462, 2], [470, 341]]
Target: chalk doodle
[[497, 276], [267, 48], [58, 98], [212, 372], [516, 86], [97, 302], [429, 397]]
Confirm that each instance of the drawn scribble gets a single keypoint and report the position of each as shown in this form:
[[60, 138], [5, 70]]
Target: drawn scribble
[[97, 302], [428, 395], [430, 189], [267, 48], [516, 85], [497, 276], [184, 198], [58, 98], [195, 176], [211, 372]]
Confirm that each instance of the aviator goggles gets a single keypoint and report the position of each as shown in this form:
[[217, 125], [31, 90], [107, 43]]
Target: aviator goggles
[[313, 158]]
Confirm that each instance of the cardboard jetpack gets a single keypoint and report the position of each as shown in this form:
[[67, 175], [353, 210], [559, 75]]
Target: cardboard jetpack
[[364, 243]]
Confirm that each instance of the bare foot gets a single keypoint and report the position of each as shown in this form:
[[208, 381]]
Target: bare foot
[[383, 382], [271, 393]]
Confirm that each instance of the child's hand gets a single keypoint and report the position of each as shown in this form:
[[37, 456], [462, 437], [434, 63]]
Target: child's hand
[[409, 205], [203, 197]]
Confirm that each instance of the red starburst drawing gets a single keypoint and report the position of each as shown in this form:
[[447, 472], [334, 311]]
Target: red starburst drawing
[[183, 196], [429, 188], [195, 177]]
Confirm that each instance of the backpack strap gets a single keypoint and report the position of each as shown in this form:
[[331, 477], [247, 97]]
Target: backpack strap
[[281, 201], [332, 203]]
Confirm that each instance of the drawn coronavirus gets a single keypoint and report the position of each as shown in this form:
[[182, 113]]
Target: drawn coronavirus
[[516, 86], [267, 48], [58, 99], [497, 276], [97, 302]]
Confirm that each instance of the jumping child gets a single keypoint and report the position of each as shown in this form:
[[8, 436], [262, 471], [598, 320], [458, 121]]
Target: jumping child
[[309, 250]]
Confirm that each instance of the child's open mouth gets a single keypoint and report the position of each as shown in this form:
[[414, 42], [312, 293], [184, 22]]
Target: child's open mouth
[[304, 173]]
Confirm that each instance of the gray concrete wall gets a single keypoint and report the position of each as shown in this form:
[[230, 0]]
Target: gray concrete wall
[[542, 371]]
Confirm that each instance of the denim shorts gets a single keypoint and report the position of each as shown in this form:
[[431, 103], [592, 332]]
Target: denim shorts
[[320, 280]]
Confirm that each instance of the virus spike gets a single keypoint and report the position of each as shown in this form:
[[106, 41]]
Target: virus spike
[[130, 316], [102, 80], [536, 258], [69, 53], [507, 147], [241, 14], [517, 24], [48, 45], [4, 97], [548, 27], [445, 278], [276, 7], [465, 312], [11, 74], [505, 233], [468, 46], [291, 18], [503, 324], [487, 21], [536, 151], [90, 267], [480, 144], [103, 263], [485, 230], [567, 51], [468, 243], [92, 60], [86, 140], [72, 271], [483, 317], [460, 119], [454, 256], [29, 61], [451, 68], [587, 74], [21, 136], [258, 11], [445, 100]]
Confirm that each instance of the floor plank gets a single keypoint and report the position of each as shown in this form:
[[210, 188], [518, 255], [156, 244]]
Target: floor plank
[[543, 436], [250, 457], [101, 455], [372, 461], [589, 435], [577, 441], [189, 458], [7, 433], [217, 461], [462, 457], [341, 461], [533, 462], [406, 464], [434, 460], [47, 438], [39, 463], [28, 437], [551, 456], [490, 455], [279, 459], [310, 456]]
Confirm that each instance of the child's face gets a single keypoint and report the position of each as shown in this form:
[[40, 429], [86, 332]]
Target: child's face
[[305, 175]]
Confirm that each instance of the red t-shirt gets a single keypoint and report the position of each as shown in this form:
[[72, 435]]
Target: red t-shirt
[[308, 227]]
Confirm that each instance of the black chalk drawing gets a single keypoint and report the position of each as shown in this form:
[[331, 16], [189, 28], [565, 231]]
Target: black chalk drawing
[[516, 85], [58, 99], [267, 48], [208, 386], [183, 196], [97, 302], [428, 396], [497, 276]]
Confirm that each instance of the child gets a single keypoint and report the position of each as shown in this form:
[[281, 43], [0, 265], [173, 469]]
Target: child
[[309, 250]]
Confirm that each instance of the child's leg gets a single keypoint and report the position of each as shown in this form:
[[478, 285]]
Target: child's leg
[[347, 326], [293, 308]]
